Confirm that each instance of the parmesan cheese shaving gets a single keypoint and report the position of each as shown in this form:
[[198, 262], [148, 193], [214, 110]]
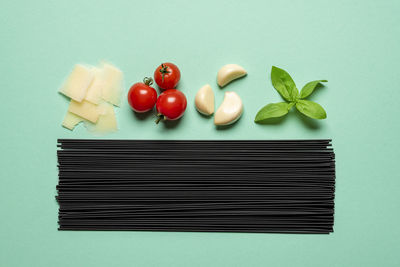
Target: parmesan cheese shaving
[[106, 123], [112, 84], [77, 83], [71, 120], [85, 110]]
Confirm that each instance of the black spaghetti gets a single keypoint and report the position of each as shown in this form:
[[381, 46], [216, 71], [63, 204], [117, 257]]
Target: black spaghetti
[[267, 186]]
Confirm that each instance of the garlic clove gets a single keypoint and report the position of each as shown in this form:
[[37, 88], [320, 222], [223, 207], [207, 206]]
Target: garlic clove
[[230, 110], [204, 100], [229, 73]]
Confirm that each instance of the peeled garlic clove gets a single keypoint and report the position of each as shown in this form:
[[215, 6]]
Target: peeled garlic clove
[[229, 73], [204, 100], [230, 110]]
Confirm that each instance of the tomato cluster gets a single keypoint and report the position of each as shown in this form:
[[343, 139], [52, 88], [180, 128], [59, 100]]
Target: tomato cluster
[[170, 104]]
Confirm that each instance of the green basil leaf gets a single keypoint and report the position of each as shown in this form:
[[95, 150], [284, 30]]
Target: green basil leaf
[[291, 104], [311, 109], [309, 88], [294, 94], [284, 84], [273, 110]]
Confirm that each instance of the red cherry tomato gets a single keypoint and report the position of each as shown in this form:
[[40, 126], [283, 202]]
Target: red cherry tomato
[[142, 97], [171, 105], [167, 76]]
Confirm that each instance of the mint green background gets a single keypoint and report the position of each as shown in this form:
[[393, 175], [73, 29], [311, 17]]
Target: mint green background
[[353, 44]]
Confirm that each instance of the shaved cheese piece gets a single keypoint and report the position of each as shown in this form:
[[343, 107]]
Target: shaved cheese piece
[[71, 120], [77, 83], [85, 109], [94, 91], [107, 121], [112, 84]]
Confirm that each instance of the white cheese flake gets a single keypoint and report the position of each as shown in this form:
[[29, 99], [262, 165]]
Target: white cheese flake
[[112, 84], [107, 121], [77, 83], [94, 91], [71, 120], [85, 109]]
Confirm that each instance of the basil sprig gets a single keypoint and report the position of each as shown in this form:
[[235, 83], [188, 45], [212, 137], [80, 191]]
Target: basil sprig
[[286, 87]]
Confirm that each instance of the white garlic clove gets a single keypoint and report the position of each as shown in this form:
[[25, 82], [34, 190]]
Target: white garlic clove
[[229, 73], [230, 110], [204, 100]]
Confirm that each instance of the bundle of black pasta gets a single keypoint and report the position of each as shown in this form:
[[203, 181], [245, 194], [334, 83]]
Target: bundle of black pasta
[[275, 186]]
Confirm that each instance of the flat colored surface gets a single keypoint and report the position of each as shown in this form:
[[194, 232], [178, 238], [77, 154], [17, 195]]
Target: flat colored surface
[[353, 44]]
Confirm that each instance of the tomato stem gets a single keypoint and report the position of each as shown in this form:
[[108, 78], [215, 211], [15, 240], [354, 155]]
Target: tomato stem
[[148, 81], [159, 118], [164, 70]]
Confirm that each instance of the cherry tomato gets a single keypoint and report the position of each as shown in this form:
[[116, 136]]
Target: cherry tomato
[[171, 105], [142, 97], [167, 76]]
